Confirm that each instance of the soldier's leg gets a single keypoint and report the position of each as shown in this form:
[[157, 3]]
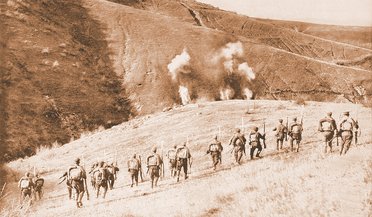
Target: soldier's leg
[[136, 177], [236, 155], [291, 143], [281, 143], [343, 141], [131, 178], [252, 152], [97, 190], [185, 168], [259, 149], [69, 189], [105, 187], [349, 139], [277, 144], [298, 141]]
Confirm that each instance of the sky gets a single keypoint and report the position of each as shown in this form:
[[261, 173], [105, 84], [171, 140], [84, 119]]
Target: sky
[[334, 12]]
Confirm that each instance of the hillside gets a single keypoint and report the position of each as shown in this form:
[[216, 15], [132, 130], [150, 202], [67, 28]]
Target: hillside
[[307, 183], [74, 67]]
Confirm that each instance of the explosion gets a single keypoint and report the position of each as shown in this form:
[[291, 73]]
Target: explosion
[[184, 94], [177, 63]]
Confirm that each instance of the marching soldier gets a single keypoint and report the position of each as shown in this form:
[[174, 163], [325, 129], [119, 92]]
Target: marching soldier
[[183, 157], [347, 127], [26, 186], [77, 176], [133, 168], [38, 187], [280, 133], [171, 154], [154, 162], [254, 142], [238, 141], [215, 149], [328, 127], [295, 133]]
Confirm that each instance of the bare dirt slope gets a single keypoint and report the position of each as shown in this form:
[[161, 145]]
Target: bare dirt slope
[[144, 45], [307, 183]]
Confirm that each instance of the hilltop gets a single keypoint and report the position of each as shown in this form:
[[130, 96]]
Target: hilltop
[[282, 183]]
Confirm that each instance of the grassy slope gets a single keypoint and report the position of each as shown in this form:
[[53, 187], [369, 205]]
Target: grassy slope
[[281, 184]]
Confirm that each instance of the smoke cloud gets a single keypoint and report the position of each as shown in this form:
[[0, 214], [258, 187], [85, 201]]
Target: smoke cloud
[[244, 68], [184, 94], [177, 63]]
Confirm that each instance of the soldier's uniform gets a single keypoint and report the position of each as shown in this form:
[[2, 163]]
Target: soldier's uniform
[[171, 154], [238, 141], [280, 132], [26, 185], [183, 157], [328, 127], [254, 142], [295, 133], [347, 127], [133, 169], [154, 162], [215, 149]]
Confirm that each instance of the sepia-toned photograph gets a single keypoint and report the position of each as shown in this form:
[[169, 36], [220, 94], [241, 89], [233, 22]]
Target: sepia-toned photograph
[[186, 108]]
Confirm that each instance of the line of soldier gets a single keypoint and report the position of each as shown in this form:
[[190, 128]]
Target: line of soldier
[[103, 175]]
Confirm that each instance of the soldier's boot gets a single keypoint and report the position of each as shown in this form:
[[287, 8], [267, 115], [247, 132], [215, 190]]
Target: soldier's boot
[[292, 147], [330, 148], [152, 183], [298, 147], [277, 145]]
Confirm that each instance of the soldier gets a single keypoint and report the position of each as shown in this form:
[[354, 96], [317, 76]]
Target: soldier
[[101, 175], [328, 127], [154, 162], [133, 168], [78, 179], [183, 158], [171, 154], [215, 149], [38, 189], [112, 174], [26, 185], [238, 141], [254, 142], [295, 133], [347, 127], [280, 133]]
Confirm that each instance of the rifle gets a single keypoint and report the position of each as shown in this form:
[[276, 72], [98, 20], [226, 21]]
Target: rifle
[[286, 132], [140, 171], [190, 164], [62, 180], [264, 137]]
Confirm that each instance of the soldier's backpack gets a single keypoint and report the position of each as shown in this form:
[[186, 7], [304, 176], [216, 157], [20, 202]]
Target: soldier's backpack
[[213, 147], [238, 141], [327, 126], [25, 183], [152, 160], [182, 153], [133, 164], [39, 183], [172, 154], [253, 137], [347, 125], [296, 128], [76, 174], [99, 176]]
